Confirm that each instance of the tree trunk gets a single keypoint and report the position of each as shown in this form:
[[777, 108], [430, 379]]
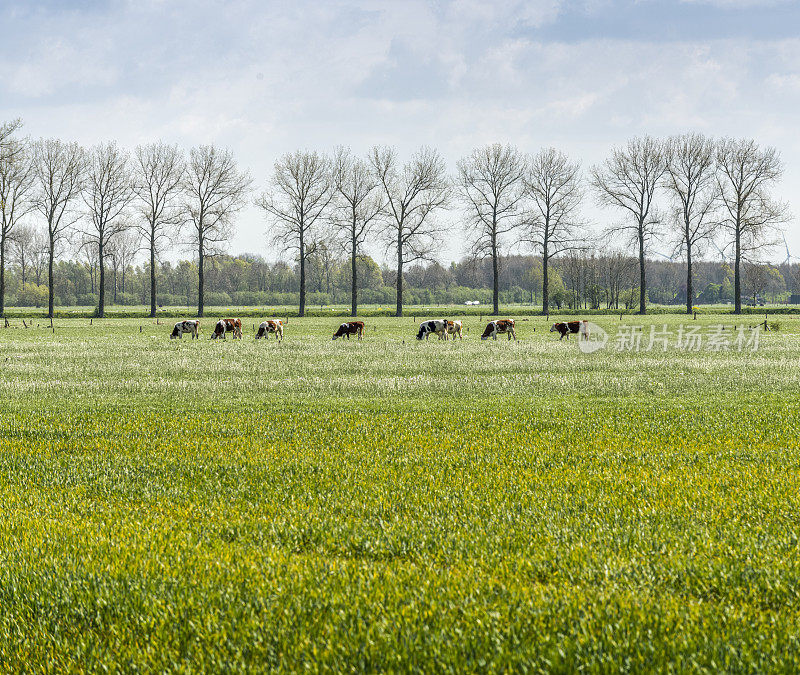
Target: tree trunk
[[50, 296], [545, 279], [152, 276], [101, 305], [200, 280], [642, 280], [496, 280], [737, 280], [302, 310], [2, 276], [689, 285], [354, 285], [399, 280], [23, 266]]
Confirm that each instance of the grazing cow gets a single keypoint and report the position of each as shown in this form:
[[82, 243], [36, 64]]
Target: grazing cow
[[189, 326], [349, 328], [227, 326], [454, 328], [438, 326], [494, 328], [567, 327], [270, 326]]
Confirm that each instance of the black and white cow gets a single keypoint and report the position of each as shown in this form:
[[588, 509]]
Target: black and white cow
[[438, 326], [189, 326]]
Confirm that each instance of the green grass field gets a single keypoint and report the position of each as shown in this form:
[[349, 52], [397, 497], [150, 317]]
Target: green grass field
[[185, 506]]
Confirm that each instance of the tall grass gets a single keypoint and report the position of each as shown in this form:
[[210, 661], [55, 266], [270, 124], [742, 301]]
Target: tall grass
[[395, 505]]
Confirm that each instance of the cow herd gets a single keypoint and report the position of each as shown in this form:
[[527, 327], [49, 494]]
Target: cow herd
[[443, 328]]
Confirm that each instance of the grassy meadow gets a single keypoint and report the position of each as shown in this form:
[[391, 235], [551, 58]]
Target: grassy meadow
[[196, 505]]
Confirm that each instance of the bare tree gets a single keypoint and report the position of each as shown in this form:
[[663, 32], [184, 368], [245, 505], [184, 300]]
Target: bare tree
[[616, 269], [60, 176], [755, 279], [22, 243], [39, 249], [16, 187], [691, 181], [358, 204], [107, 194], [122, 251], [214, 191], [492, 187], [553, 184], [300, 191], [745, 174], [158, 182], [412, 194], [628, 180]]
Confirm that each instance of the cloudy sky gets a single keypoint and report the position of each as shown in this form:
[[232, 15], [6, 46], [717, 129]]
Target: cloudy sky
[[264, 78]]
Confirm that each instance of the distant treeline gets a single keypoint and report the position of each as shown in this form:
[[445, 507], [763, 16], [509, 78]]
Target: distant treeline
[[577, 281]]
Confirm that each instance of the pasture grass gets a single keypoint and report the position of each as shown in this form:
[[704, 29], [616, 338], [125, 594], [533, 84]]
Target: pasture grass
[[179, 505]]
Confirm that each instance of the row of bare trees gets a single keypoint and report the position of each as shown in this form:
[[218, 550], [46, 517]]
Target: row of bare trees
[[98, 195], [354, 201], [683, 192], [714, 190]]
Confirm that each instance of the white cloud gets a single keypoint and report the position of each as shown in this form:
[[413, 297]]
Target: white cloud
[[455, 75]]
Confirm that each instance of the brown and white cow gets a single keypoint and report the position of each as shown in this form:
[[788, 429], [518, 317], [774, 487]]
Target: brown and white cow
[[454, 328], [227, 326], [567, 327], [349, 328], [270, 326], [189, 326], [498, 327]]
